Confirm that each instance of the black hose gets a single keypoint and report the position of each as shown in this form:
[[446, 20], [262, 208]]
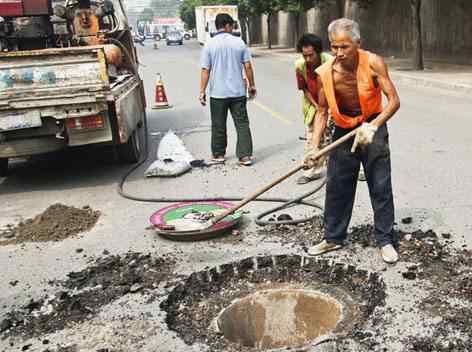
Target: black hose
[[286, 203]]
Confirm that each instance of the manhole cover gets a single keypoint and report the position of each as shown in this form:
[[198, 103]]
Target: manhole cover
[[279, 318], [181, 217]]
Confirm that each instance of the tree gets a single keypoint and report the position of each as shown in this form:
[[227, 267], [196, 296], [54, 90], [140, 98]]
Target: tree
[[147, 15], [245, 13], [268, 8], [418, 61], [187, 12], [297, 8], [165, 8]]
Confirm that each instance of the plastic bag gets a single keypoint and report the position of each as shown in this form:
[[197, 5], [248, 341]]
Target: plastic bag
[[173, 158]]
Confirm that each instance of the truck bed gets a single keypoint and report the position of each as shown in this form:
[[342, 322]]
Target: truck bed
[[44, 78]]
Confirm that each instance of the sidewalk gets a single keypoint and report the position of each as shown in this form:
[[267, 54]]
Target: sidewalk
[[438, 75]]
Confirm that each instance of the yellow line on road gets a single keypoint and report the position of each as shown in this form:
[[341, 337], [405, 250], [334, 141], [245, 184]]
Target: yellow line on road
[[272, 112]]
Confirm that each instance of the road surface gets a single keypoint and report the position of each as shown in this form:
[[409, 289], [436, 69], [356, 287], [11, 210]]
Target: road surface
[[430, 140]]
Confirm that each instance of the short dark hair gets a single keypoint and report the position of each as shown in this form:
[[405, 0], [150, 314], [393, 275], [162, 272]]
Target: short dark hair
[[309, 39], [222, 19]]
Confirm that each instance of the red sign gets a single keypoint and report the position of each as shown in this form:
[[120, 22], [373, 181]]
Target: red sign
[[19, 8], [11, 8], [169, 21]]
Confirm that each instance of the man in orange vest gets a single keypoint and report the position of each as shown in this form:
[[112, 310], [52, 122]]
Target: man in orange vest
[[351, 86]]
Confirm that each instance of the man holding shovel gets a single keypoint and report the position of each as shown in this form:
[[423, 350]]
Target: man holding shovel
[[351, 86]]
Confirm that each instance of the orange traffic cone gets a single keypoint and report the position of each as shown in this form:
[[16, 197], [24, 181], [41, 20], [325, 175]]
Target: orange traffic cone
[[161, 97]]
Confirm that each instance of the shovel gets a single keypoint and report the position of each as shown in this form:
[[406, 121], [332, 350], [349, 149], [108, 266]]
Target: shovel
[[264, 189]]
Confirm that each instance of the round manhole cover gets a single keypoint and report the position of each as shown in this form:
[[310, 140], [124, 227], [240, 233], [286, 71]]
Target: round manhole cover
[[189, 221], [279, 318]]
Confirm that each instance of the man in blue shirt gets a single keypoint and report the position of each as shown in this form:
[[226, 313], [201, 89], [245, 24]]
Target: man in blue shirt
[[223, 60]]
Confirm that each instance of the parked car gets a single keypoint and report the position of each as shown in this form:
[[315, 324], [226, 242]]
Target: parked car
[[187, 35], [138, 38], [175, 38]]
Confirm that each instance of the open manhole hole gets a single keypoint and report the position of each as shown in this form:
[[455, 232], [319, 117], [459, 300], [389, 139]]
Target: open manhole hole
[[279, 318], [274, 302]]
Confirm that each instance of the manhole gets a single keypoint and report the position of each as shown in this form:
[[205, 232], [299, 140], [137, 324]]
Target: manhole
[[279, 318], [322, 297]]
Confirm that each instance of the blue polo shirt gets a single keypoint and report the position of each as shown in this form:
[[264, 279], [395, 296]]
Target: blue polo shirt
[[224, 56]]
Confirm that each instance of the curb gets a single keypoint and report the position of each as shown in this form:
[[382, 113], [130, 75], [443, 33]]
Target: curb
[[428, 82]]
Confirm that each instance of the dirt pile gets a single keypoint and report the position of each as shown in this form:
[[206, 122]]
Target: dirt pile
[[81, 296], [56, 223], [303, 235]]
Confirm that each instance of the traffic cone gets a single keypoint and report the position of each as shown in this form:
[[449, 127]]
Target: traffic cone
[[161, 97]]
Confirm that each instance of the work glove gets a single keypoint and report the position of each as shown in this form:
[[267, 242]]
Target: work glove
[[364, 136], [309, 160]]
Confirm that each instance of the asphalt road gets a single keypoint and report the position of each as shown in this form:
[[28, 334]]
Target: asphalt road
[[431, 145]]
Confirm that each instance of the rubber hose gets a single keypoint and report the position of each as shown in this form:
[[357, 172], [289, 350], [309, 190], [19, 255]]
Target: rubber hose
[[287, 203]]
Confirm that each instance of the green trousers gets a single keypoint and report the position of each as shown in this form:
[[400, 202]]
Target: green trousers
[[219, 114]]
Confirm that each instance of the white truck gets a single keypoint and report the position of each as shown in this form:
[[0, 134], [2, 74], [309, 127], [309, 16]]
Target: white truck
[[205, 20]]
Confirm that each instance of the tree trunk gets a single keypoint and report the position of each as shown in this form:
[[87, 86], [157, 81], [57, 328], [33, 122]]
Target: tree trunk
[[248, 31], [269, 30], [242, 22], [418, 61], [340, 8], [297, 27], [351, 8]]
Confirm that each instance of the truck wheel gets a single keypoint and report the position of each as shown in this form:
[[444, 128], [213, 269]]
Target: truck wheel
[[157, 37], [131, 150], [3, 167]]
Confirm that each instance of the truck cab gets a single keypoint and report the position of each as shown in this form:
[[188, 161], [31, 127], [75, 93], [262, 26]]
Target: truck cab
[[68, 78]]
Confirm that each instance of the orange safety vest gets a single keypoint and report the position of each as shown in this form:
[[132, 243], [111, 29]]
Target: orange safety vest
[[370, 96]]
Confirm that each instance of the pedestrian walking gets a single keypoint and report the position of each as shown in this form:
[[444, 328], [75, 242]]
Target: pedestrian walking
[[311, 48], [351, 87], [226, 64]]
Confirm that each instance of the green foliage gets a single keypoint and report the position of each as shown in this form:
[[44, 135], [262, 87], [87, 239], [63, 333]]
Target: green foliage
[[267, 7], [165, 8], [146, 15], [187, 12], [187, 9], [299, 6]]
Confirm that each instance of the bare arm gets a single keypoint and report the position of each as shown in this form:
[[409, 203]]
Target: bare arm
[[380, 71], [321, 118], [310, 98], [250, 77], [205, 76]]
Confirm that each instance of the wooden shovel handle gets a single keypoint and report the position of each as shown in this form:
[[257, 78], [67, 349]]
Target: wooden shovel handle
[[264, 189]]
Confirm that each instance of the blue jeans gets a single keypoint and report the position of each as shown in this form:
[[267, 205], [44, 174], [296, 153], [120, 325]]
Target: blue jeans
[[343, 170]]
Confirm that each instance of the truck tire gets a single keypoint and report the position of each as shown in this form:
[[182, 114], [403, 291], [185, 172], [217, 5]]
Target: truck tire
[[3, 167], [157, 37], [130, 152]]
